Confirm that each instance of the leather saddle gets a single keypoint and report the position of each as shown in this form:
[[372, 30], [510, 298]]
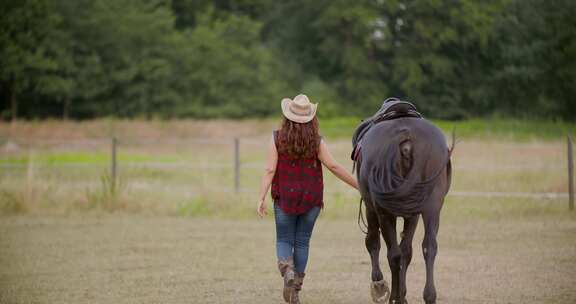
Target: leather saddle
[[391, 108]]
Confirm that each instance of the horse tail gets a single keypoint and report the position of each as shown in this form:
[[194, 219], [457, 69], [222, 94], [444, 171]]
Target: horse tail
[[449, 164], [453, 145], [394, 181]]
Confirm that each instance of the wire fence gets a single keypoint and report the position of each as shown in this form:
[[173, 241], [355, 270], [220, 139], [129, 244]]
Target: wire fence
[[232, 165]]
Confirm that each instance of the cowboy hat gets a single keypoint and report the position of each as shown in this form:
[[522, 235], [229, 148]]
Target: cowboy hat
[[299, 110]]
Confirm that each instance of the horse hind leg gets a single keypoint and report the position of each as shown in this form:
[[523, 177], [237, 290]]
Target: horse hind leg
[[429, 250], [410, 224], [388, 229], [378, 288], [431, 219]]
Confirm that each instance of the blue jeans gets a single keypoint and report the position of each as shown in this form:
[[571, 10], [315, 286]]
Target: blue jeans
[[293, 234]]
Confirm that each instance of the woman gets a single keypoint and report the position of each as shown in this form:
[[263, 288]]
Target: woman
[[293, 169]]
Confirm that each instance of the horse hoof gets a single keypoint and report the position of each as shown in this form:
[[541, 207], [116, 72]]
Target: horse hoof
[[379, 291]]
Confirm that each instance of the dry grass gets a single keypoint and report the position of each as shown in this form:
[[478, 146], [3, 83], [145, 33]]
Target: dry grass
[[66, 239], [186, 167], [153, 129], [167, 177], [489, 252]]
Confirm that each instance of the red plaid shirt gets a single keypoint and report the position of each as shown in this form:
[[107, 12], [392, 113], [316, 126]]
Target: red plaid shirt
[[297, 185]]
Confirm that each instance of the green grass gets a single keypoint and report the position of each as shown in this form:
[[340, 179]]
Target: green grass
[[183, 177], [332, 128], [488, 129], [509, 129], [54, 158]]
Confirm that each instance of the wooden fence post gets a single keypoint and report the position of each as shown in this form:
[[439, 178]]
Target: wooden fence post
[[113, 166], [30, 176], [570, 174], [236, 164]]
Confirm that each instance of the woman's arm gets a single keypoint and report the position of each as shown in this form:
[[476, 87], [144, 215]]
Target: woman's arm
[[328, 161], [272, 159]]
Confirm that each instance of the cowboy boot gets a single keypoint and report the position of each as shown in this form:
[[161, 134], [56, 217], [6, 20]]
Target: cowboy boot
[[298, 280], [286, 268]]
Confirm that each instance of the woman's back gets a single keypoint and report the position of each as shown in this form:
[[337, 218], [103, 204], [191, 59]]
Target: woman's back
[[298, 184]]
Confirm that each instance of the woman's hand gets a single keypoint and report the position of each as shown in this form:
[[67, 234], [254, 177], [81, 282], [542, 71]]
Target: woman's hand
[[267, 178], [262, 209]]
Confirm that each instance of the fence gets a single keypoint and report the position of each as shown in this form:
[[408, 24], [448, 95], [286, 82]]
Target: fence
[[570, 174], [516, 170]]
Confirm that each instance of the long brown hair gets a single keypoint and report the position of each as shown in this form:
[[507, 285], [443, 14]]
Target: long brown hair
[[299, 140]]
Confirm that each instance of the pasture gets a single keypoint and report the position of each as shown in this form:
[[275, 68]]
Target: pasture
[[174, 230], [489, 252]]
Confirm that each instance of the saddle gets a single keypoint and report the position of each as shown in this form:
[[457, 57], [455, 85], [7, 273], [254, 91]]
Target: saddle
[[392, 108]]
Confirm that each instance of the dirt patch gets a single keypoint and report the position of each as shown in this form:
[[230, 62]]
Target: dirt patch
[[137, 259]]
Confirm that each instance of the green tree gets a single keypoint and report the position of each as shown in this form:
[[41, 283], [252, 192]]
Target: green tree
[[119, 56], [535, 59], [434, 52], [238, 58], [334, 44], [24, 28], [228, 71], [430, 52]]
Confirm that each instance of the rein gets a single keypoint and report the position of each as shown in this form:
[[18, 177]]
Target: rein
[[361, 222], [364, 228]]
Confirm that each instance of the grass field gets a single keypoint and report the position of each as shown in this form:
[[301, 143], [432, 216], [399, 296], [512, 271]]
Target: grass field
[[186, 167], [174, 231], [491, 129], [489, 252]]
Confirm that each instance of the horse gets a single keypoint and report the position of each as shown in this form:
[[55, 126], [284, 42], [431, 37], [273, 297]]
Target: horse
[[404, 170]]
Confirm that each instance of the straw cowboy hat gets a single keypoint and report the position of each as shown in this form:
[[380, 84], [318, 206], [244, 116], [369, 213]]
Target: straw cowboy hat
[[299, 110]]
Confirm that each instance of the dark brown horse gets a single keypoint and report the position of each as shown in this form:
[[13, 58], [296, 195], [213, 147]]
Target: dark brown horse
[[404, 170]]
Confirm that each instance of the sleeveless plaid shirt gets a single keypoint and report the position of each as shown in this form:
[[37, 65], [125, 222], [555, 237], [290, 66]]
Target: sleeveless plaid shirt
[[297, 185]]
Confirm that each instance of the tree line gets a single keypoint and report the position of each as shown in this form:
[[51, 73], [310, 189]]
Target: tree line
[[237, 58]]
